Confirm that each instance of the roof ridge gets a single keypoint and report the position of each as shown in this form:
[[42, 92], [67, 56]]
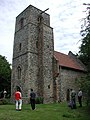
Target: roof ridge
[[69, 60]]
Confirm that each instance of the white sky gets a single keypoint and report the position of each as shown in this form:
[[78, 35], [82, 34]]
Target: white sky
[[65, 16]]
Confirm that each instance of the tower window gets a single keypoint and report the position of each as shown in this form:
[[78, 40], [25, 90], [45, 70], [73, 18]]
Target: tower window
[[19, 72], [48, 86], [40, 18], [21, 22], [36, 44], [20, 46]]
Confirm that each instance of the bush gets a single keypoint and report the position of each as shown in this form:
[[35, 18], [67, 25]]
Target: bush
[[4, 101], [84, 84], [39, 100]]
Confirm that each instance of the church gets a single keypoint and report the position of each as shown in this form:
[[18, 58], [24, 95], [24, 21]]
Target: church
[[36, 65]]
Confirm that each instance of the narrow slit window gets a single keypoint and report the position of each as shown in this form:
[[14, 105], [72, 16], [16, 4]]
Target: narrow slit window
[[20, 45], [19, 72]]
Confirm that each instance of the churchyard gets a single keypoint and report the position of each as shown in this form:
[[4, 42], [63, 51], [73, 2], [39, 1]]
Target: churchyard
[[56, 111]]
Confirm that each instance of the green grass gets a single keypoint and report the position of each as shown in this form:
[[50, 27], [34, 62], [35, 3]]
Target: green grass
[[58, 111]]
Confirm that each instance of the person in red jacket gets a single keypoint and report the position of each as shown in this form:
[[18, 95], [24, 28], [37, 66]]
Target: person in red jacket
[[18, 99]]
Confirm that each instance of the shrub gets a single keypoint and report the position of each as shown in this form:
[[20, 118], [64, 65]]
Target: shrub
[[4, 101], [39, 100]]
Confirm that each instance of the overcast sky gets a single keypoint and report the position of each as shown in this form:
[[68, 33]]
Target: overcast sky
[[65, 19]]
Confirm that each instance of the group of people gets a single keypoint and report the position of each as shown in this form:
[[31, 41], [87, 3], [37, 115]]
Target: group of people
[[32, 95], [18, 98], [72, 102]]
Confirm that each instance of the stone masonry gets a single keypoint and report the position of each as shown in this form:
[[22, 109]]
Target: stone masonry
[[34, 64], [33, 54]]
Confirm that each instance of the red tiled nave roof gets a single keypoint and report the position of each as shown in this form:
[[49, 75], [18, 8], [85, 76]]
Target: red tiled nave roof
[[67, 61]]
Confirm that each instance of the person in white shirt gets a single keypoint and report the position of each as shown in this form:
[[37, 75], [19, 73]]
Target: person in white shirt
[[5, 92], [80, 97]]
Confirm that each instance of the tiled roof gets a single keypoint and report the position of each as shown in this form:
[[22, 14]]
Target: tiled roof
[[67, 61]]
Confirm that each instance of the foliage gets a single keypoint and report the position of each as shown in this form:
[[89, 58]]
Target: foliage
[[5, 75], [39, 100], [58, 111], [4, 101], [84, 84], [84, 53]]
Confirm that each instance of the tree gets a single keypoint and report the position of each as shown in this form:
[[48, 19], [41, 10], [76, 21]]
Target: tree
[[5, 76], [84, 53]]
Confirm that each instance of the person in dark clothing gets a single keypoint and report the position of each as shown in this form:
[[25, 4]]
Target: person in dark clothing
[[32, 99], [73, 99]]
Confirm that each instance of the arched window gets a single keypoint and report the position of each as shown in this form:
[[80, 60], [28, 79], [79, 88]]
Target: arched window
[[19, 72], [21, 22]]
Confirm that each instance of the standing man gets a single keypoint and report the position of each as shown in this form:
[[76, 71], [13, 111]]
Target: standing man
[[80, 97], [32, 99], [73, 99], [18, 99]]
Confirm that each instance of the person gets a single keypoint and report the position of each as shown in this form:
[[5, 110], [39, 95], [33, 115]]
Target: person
[[73, 99], [4, 92], [18, 99], [80, 97], [32, 99]]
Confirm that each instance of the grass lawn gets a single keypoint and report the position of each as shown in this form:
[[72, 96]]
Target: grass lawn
[[58, 111]]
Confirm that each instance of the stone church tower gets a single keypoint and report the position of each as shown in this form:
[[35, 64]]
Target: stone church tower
[[32, 65]]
